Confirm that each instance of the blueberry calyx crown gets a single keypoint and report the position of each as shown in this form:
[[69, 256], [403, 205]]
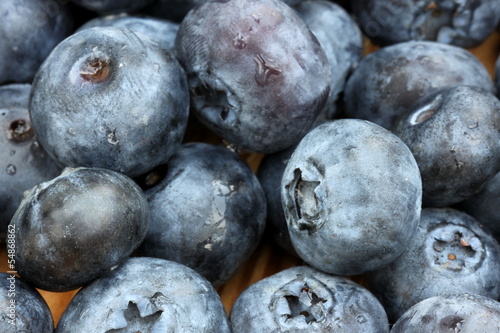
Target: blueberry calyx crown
[[20, 130]]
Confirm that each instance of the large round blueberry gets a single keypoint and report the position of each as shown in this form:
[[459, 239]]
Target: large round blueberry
[[112, 98], [77, 226], [451, 313], [146, 295], [389, 81], [29, 31], [24, 163], [22, 308], [258, 76], [352, 195], [463, 23], [304, 300], [207, 213], [454, 134], [449, 253]]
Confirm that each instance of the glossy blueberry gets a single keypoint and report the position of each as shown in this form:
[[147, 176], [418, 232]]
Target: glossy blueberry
[[77, 226], [113, 6], [451, 313], [454, 134], [258, 77], [302, 299], [24, 163], [208, 212], [161, 30], [449, 253], [343, 50], [22, 308], [146, 295], [112, 98], [351, 194], [29, 31], [389, 81]]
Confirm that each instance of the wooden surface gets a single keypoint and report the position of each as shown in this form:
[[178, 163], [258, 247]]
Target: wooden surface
[[268, 258]]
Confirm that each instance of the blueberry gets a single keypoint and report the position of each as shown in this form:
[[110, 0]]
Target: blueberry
[[24, 161], [146, 295], [111, 98], [258, 77], [454, 135], [29, 31], [462, 23], [22, 308], [351, 194], [389, 81], [163, 31], [208, 212], [449, 253], [113, 6], [77, 226], [302, 299], [174, 10], [451, 313], [497, 75]]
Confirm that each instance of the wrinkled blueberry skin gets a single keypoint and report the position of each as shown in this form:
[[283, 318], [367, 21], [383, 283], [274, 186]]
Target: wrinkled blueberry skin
[[24, 163], [343, 50], [146, 295], [454, 134], [77, 226], [208, 213], [390, 80], [124, 105], [352, 195], [483, 206], [461, 23], [302, 299], [24, 306], [451, 313], [113, 6], [29, 31], [260, 78], [449, 253], [161, 30]]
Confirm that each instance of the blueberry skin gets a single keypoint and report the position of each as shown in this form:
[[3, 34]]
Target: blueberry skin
[[208, 213], [113, 6], [24, 162], [302, 299], [497, 76], [258, 77], [343, 50], [390, 80], [351, 194], [146, 295], [449, 253], [124, 105], [454, 134], [462, 23], [22, 308], [77, 226], [451, 313], [161, 30], [29, 31]]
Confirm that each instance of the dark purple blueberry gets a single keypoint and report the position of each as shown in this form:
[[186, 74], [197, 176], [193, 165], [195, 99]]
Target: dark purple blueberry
[[389, 81], [146, 295], [22, 308], [449, 253], [77, 226], [113, 6], [451, 313], [304, 300], [111, 98], [258, 77], [352, 195], [29, 31], [454, 134], [24, 162], [462, 23], [208, 213]]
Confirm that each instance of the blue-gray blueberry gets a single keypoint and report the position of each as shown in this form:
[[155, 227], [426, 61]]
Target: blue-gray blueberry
[[113, 6]]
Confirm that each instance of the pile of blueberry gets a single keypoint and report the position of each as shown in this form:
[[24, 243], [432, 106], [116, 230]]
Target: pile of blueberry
[[123, 130]]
